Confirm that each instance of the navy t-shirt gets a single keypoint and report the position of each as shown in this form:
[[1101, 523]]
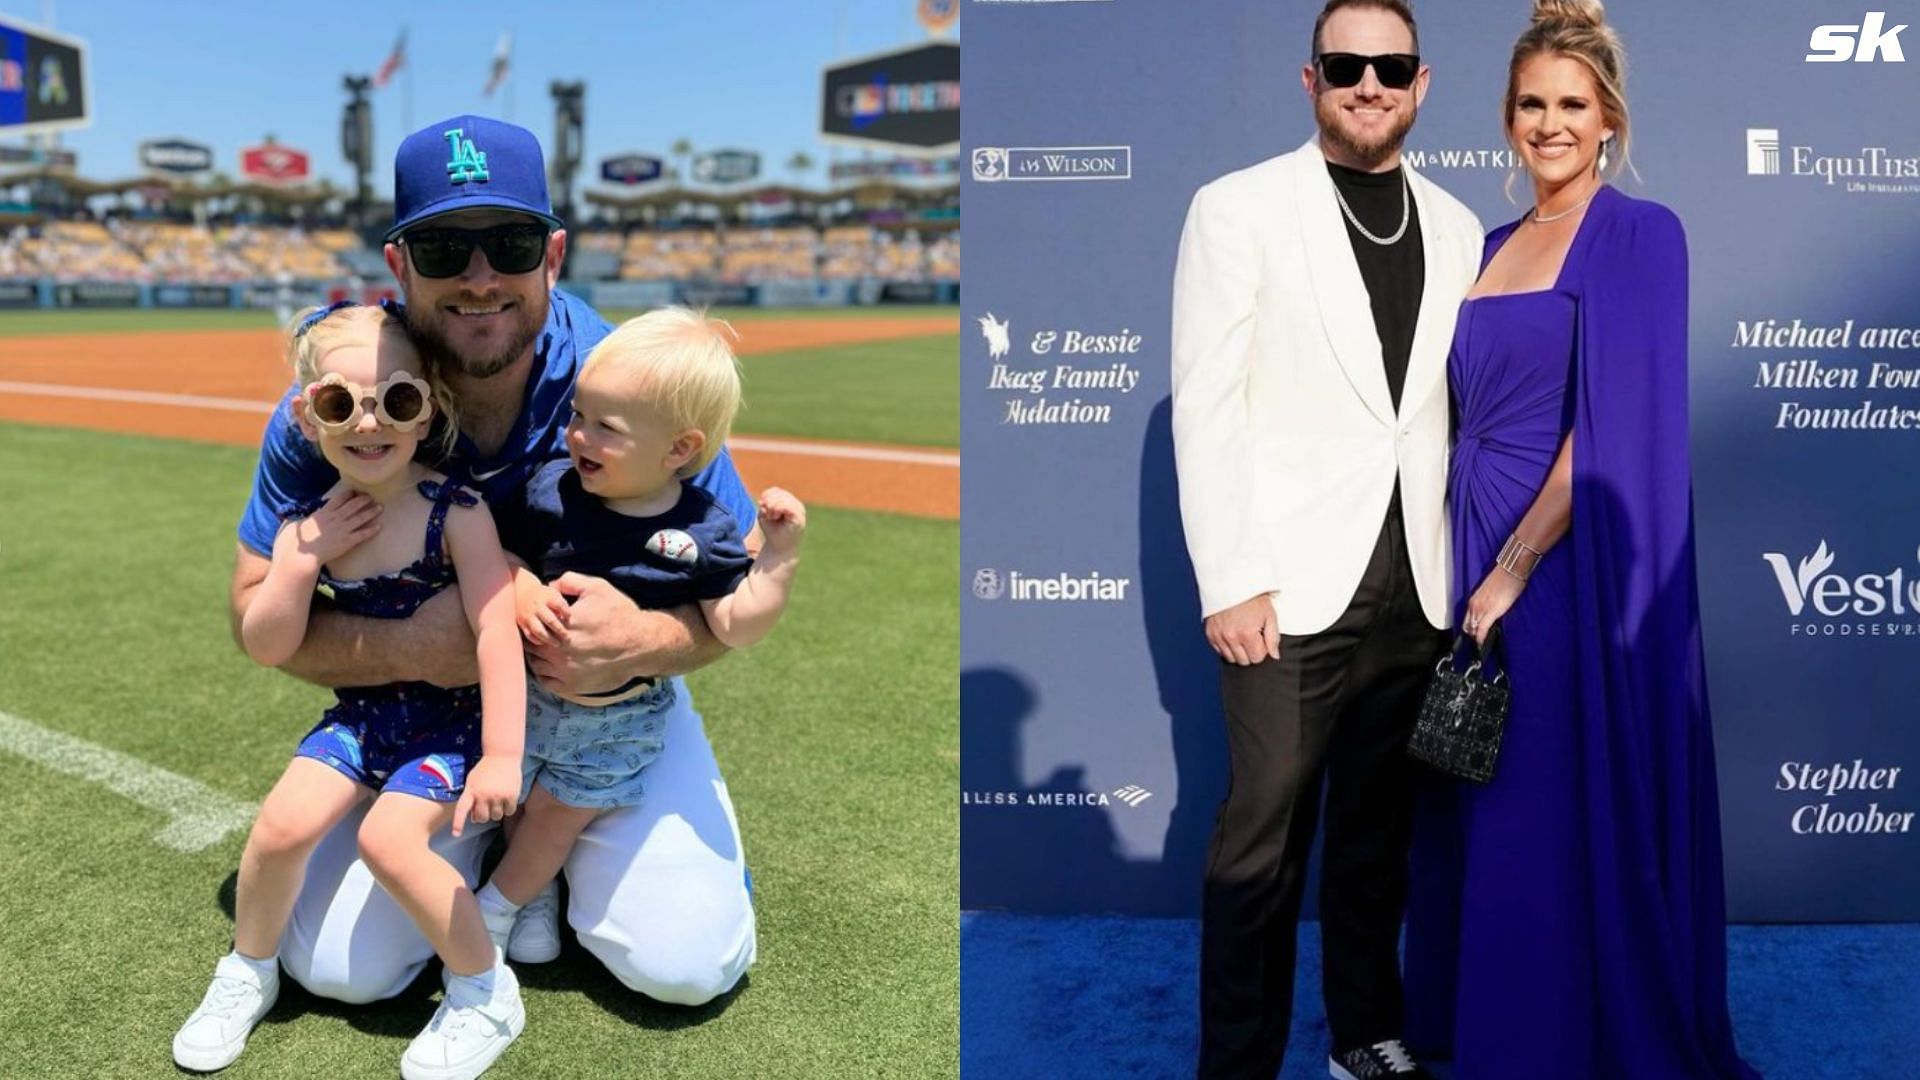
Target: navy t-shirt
[[695, 551], [292, 472]]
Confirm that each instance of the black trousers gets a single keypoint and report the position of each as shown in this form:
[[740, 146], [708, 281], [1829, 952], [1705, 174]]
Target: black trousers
[[1339, 707]]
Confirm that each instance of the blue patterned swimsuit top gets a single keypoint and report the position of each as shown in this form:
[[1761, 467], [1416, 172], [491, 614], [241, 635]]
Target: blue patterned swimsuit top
[[397, 596]]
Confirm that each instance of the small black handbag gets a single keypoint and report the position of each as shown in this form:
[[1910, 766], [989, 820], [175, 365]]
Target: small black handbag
[[1464, 715]]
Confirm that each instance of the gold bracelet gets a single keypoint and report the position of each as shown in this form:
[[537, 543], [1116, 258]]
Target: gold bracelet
[[1513, 552]]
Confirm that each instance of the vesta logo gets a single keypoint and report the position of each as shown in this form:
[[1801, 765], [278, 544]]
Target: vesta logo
[[1861, 42], [1809, 585]]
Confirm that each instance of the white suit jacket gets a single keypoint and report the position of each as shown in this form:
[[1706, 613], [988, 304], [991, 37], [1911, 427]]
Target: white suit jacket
[[1285, 436]]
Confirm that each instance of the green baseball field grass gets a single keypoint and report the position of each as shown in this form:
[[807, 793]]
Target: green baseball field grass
[[838, 737]]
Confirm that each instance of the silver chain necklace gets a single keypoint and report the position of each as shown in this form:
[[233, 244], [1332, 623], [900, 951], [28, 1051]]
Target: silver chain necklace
[[1406, 213], [1574, 209]]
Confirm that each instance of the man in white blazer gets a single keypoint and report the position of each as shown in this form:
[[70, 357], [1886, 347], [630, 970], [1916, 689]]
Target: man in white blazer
[[1313, 309]]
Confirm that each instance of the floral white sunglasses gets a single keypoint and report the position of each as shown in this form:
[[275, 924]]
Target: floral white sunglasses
[[400, 401]]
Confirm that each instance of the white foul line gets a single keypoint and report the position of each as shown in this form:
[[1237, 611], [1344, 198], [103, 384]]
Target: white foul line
[[197, 816], [138, 397], [833, 450], [194, 401]]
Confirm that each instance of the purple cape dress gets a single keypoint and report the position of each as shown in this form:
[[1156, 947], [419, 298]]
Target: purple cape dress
[[1568, 919]]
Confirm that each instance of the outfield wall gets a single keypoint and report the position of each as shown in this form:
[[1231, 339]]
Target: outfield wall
[[46, 293]]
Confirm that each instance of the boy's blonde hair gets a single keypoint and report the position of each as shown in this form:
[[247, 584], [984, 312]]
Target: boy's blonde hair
[[362, 324], [681, 363]]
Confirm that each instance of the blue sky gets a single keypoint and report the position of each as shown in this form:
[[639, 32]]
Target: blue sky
[[721, 73]]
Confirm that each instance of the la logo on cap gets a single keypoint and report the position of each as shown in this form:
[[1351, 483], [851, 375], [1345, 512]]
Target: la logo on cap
[[468, 164]]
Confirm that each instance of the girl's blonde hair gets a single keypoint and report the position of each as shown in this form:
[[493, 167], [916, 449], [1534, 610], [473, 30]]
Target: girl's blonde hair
[[358, 324], [1578, 29], [681, 363]]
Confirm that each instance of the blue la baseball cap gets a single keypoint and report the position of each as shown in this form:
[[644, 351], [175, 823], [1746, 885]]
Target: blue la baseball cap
[[468, 163]]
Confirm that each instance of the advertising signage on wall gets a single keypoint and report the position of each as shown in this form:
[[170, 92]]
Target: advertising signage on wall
[[907, 100], [631, 169], [43, 80], [97, 294], [176, 156], [38, 155], [896, 167], [271, 163], [19, 294], [726, 166], [1803, 365]]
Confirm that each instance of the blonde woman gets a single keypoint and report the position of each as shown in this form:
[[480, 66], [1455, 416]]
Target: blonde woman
[[1568, 918]]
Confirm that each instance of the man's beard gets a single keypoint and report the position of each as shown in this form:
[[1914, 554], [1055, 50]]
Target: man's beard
[[1369, 155], [428, 328]]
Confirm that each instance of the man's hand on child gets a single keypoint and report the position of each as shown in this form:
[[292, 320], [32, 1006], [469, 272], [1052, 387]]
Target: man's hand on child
[[493, 789], [345, 521], [783, 518], [595, 655]]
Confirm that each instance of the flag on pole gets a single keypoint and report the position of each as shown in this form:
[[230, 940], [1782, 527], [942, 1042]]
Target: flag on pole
[[395, 60], [499, 74]]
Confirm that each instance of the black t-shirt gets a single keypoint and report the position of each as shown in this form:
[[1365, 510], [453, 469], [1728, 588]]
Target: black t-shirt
[[695, 551], [1395, 274]]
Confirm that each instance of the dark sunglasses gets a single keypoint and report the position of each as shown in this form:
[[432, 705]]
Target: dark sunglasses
[[444, 253], [1394, 70]]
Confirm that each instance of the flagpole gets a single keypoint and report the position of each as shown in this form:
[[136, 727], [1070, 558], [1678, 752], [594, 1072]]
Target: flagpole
[[406, 90]]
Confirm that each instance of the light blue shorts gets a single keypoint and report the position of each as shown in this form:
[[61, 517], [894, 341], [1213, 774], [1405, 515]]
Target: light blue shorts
[[592, 756]]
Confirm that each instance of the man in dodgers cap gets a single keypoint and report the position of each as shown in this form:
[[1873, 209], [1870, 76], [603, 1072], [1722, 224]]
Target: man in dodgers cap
[[659, 892]]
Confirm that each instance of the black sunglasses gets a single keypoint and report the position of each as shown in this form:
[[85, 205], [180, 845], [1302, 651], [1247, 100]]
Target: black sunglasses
[[1394, 70], [444, 253]]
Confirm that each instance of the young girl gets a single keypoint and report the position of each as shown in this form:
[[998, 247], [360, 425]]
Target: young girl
[[652, 405], [426, 755]]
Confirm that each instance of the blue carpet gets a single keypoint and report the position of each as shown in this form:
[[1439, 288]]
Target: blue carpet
[[1057, 997]]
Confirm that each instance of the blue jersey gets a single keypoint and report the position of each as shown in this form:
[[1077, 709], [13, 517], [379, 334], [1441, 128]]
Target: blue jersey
[[292, 472]]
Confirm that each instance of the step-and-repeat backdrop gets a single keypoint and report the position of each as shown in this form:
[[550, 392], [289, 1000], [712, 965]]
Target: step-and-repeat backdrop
[[1093, 755]]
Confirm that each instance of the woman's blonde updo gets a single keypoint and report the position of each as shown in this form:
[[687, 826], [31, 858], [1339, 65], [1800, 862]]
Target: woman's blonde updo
[[1578, 29]]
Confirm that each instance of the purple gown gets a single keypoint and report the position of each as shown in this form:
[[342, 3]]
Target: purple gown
[[1568, 919]]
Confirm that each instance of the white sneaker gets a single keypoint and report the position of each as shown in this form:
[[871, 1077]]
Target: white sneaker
[[536, 929], [467, 1032], [214, 1035]]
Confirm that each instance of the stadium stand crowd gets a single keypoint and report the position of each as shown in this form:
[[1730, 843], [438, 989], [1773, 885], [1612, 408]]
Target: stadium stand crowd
[[158, 251]]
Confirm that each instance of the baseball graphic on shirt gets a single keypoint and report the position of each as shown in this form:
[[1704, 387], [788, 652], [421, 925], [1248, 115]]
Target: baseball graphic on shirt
[[674, 544]]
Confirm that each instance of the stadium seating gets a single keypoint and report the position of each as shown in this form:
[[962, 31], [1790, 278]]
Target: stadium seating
[[169, 252], [753, 255]]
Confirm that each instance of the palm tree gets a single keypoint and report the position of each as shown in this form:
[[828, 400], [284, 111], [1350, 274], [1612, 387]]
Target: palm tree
[[682, 149], [800, 164]]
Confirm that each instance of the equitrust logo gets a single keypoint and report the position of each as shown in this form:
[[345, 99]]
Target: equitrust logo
[[994, 164], [1825, 599], [1763, 151], [1868, 170], [991, 584]]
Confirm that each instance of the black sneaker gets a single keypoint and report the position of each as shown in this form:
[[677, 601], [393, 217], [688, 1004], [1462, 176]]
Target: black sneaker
[[1382, 1059]]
